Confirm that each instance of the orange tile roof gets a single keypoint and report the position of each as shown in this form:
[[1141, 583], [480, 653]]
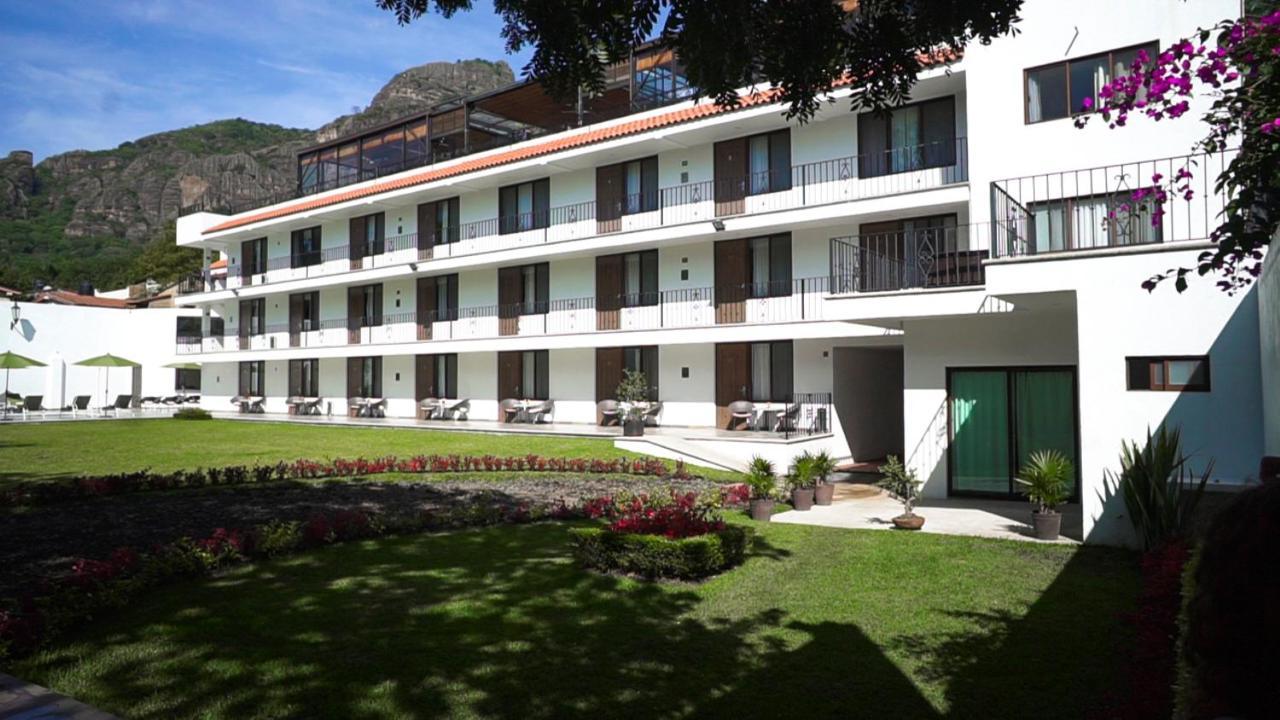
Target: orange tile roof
[[566, 141], [66, 297]]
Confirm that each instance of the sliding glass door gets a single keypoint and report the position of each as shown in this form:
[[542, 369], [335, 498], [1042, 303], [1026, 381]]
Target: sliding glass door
[[999, 416]]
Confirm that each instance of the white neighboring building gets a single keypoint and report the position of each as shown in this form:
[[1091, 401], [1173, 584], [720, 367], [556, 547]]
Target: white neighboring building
[[957, 282], [61, 335]]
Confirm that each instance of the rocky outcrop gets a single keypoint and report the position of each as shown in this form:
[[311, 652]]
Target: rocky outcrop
[[133, 191]]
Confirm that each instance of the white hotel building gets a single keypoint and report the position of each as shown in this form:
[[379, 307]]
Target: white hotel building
[[956, 282]]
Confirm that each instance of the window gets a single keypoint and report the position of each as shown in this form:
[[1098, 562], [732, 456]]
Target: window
[[305, 247], [912, 137], [441, 221], [364, 377], [535, 289], [253, 257], [643, 359], [364, 304], [769, 162], [446, 375], [368, 235], [1186, 373], [253, 317], [1107, 220], [349, 163], [383, 153], [526, 206], [186, 379], [640, 279], [1059, 90], [447, 298], [308, 172], [304, 312], [534, 374], [304, 378], [188, 327], [771, 371], [253, 378], [770, 266]]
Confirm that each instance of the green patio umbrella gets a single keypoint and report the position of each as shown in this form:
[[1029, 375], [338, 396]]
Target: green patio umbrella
[[184, 365], [107, 361], [14, 361]]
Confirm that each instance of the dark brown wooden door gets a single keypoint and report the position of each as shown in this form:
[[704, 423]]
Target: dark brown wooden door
[[355, 313], [424, 377], [510, 372], [355, 366], [732, 279], [608, 375], [609, 198], [295, 319], [243, 329], [426, 307], [733, 378], [509, 300], [358, 247], [426, 230], [730, 176], [248, 261], [608, 292]]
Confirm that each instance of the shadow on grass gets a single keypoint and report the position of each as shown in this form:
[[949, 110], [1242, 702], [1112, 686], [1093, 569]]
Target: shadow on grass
[[497, 623]]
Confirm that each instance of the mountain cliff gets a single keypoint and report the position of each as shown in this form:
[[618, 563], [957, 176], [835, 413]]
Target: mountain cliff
[[88, 215]]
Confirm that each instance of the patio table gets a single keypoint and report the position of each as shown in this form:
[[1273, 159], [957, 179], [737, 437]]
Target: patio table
[[766, 413]]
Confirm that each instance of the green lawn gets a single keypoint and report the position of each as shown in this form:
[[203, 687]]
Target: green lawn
[[500, 622], [49, 451]]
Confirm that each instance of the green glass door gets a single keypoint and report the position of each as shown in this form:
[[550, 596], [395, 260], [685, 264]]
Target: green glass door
[[980, 431], [998, 417]]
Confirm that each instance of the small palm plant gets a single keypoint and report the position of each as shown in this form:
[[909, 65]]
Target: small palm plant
[[1046, 479], [824, 466], [902, 483], [761, 478], [803, 473]]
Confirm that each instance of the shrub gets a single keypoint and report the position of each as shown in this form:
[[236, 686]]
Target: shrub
[[1158, 487], [900, 482], [1046, 479], [656, 556], [193, 413]]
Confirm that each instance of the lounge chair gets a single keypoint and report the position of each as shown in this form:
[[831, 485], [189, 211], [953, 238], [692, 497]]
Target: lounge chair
[[653, 414], [171, 400], [80, 405], [31, 405], [609, 412], [540, 413], [741, 412], [191, 399], [510, 410]]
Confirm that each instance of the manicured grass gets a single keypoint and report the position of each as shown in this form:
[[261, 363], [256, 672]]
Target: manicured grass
[[500, 623], [48, 451]]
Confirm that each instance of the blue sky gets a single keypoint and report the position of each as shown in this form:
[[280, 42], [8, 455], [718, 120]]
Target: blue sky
[[91, 74]]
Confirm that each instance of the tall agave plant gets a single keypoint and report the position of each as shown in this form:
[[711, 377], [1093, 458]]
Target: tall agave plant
[[1159, 488]]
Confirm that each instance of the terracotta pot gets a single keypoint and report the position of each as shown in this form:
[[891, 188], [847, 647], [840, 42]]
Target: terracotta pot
[[761, 510], [824, 493], [802, 498], [909, 521], [1046, 525]]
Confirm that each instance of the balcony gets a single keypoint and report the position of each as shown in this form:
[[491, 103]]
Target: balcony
[[800, 300], [909, 259], [826, 182], [1113, 206]]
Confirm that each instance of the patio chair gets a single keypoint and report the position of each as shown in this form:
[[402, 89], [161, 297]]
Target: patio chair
[[33, 404], [429, 408], [171, 400], [609, 412], [355, 406], [376, 407], [255, 405], [80, 404], [191, 399], [312, 406], [457, 410], [241, 403], [741, 412], [653, 414], [540, 413], [510, 410], [786, 420]]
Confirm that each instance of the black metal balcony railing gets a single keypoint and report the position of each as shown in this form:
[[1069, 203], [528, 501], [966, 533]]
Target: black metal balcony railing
[[818, 183], [747, 303], [1108, 207], [917, 257]]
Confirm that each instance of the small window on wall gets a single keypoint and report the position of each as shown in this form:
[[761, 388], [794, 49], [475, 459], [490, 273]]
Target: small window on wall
[[1060, 90], [1177, 374]]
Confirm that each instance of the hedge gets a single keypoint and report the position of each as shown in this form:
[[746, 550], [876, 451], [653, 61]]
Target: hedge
[[656, 556]]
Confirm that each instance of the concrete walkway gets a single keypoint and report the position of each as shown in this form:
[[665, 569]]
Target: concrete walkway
[[868, 507], [21, 699]]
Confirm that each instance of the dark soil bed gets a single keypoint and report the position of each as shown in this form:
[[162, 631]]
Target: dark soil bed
[[43, 541]]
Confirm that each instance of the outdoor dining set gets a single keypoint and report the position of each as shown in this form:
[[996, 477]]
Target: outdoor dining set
[[516, 410]]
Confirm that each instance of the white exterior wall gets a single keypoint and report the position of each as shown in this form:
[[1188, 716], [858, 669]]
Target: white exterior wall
[[61, 335], [1269, 331]]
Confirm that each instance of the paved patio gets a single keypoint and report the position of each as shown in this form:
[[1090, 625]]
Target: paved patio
[[864, 506]]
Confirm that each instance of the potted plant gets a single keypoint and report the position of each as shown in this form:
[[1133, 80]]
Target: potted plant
[[1046, 479], [633, 400], [903, 484], [764, 485], [800, 480], [824, 466]]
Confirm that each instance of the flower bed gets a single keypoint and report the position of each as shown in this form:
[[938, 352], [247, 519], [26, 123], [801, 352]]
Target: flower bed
[[680, 536], [44, 493]]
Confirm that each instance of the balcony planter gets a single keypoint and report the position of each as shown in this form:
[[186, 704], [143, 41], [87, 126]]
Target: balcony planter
[[802, 498], [761, 509], [824, 493], [1046, 525], [632, 426]]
